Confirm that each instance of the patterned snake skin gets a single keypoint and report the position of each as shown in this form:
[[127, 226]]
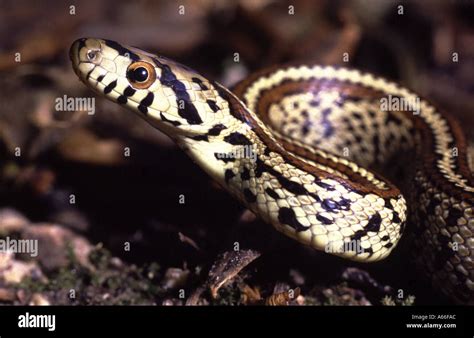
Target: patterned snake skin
[[300, 164]]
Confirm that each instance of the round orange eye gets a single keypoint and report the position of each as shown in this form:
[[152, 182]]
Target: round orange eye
[[141, 74]]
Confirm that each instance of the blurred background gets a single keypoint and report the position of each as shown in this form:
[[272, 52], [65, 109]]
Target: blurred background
[[140, 229]]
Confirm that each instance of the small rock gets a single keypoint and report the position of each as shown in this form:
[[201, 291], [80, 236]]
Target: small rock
[[175, 278], [53, 245], [12, 221], [7, 295], [39, 299], [13, 271]]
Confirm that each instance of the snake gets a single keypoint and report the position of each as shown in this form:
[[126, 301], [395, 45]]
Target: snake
[[302, 146]]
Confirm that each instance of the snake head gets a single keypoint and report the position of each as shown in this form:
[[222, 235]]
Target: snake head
[[172, 97]]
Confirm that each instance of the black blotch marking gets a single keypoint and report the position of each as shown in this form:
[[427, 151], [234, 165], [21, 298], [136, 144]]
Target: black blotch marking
[[385, 238], [228, 175], [324, 220], [189, 113], [216, 130], [236, 138], [344, 203], [178, 86], [89, 73], [213, 105], [330, 205], [374, 223], [328, 128], [200, 138], [129, 91], [372, 226], [200, 83], [324, 185], [272, 193], [358, 235], [235, 109], [352, 98], [122, 99], [388, 245], [287, 184], [164, 119], [288, 216], [143, 109], [168, 78], [226, 158], [314, 102], [333, 206], [100, 78], [369, 250], [249, 196], [395, 217], [110, 87], [245, 174], [122, 50], [305, 128], [356, 115], [147, 100]]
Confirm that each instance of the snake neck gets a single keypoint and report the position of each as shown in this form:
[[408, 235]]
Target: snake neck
[[215, 154]]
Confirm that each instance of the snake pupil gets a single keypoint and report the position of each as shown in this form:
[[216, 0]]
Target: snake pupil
[[91, 55], [139, 74]]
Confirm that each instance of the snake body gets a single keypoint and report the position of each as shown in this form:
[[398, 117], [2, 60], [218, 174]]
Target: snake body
[[293, 144]]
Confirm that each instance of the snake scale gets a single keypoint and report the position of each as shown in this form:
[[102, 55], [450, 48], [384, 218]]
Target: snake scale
[[297, 144]]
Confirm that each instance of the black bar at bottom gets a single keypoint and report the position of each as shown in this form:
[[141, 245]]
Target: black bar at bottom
[[247, 321]]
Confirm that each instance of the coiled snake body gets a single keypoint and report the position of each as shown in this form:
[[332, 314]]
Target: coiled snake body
[[300, 163]]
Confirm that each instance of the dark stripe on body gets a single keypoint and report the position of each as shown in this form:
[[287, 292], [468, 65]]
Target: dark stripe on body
[[168, 79], [164, 119], [122, 50], [122, 99], [372, 226], [212, 104], [129, 91], [287, 184], [272, 193], [110, 87], [236, 138], [200, 83], [288, 216], [249, 196], [228, 175]]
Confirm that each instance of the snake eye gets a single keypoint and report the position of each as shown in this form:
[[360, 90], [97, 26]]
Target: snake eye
[[141, 75], [91, 55]]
